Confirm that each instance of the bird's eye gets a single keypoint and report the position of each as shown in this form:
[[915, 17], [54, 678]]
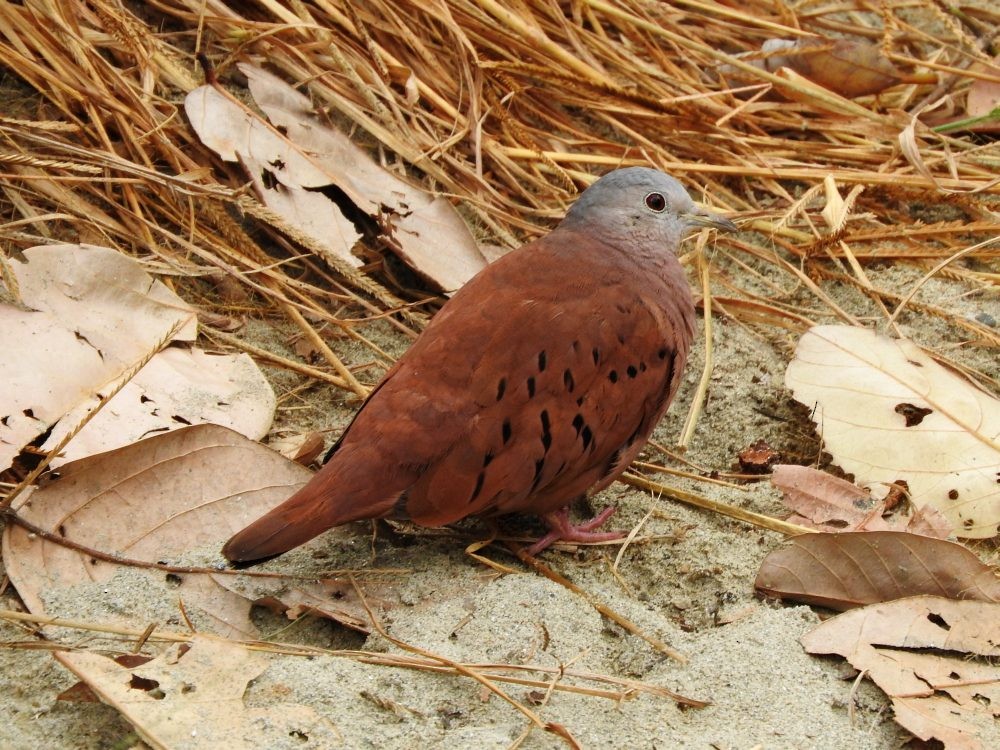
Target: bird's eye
[[656, 202]]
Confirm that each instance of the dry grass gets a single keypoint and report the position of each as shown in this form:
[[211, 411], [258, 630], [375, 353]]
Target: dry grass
[[510, 113]]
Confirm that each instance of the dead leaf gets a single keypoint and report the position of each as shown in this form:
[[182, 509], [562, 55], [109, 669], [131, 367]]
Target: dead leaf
[[179, 387], [888, 413], [191, 697], [282, 175], [89, 314], [93, 314], [828, 503], [849, 67], [758, 457], [983, 99], [174, 496], [922, 652], [303, 448], [841, 571], [332, 598], [296, 159]]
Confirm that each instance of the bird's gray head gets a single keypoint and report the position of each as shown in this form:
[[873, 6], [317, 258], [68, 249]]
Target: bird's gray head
[[639, 204]]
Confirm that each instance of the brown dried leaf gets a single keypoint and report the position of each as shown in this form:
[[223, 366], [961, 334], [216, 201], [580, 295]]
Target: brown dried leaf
[[191, 697], [945, 694], [427, 232], [177, 388], [828, 503], [302, 449], [983, 99], [890, 414], [285, 178], [849, 67], [332, 598], [183, 494], [841, 571]]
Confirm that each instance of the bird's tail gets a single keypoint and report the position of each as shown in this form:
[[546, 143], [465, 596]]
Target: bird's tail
[[306, 514]]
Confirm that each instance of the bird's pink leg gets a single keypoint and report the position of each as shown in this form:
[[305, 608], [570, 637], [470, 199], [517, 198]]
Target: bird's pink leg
[[561, 530]]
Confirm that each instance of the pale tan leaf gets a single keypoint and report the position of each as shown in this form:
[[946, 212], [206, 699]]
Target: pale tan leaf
[[334, 599], [427, 232], [932, 657], [178, 387], [888, 413], [191, 697], [297, 156], [302, 448], [174, 498], [281, 173], [849, 67], [90, 313]]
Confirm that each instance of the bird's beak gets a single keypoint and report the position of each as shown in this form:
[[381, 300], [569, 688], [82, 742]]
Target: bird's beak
[[699, 217]]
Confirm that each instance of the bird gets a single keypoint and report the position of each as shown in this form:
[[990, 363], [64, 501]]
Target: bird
[[535, 385]]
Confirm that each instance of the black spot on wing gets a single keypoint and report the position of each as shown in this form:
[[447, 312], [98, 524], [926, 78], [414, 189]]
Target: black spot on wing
[[505, 431], [546, 431], [539, 465], [568, 381], [501, 388], [531, 387], [479, 486], [541, 361]]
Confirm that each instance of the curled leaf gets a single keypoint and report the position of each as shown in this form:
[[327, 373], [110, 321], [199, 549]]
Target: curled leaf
[[829, 503], [848, 67]]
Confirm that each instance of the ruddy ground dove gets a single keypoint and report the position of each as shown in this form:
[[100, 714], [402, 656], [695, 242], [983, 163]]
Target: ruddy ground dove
[[538, 382]]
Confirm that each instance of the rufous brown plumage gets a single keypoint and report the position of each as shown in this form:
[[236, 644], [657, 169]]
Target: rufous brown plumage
[[536, 384]]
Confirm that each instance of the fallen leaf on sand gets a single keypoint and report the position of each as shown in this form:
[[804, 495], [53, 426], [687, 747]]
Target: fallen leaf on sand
[[178, 387], [88, 314], [934, 658], [828, 503], [168, 498], [176, 498], [191, 697], [889, 414], [841, 571]]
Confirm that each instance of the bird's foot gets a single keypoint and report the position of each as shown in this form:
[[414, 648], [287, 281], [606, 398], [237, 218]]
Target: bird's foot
[[561, 530]]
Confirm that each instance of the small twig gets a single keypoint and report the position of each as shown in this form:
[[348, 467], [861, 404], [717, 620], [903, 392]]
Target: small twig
[[605, 610], [698, 400], [460, 668], [700, 501]]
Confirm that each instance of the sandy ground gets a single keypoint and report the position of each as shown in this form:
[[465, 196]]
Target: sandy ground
[[690, 586]]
